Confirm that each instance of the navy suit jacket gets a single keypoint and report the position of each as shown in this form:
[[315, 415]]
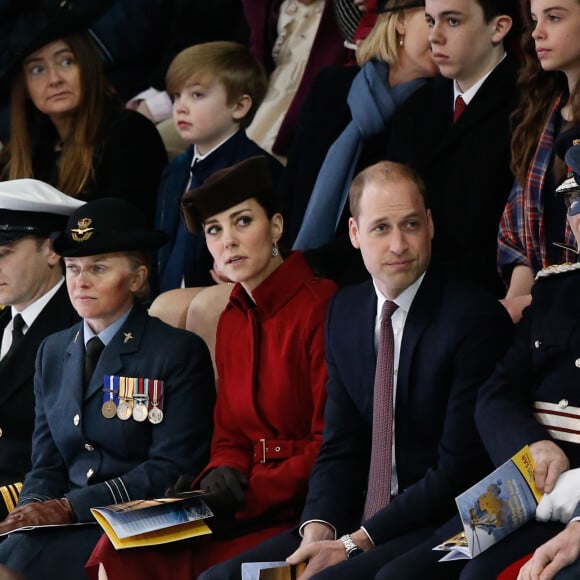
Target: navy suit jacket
[[465, 165], [16, 380], [452, 339], [94, 461]]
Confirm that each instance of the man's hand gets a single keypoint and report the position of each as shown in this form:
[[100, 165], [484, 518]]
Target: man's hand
[[316, 532], [550, 462], [319, 552], [39, 513], [560, 503], [557, 553], [319, 555]]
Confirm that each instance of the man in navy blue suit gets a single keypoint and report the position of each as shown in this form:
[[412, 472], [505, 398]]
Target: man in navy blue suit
[[447, 339]]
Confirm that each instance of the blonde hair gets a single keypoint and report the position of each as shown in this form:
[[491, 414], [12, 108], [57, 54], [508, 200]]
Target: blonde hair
[[229, 63], [28, 125], [382, 42]]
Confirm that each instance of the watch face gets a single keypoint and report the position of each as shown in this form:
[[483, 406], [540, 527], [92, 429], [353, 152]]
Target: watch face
[[354, 552]]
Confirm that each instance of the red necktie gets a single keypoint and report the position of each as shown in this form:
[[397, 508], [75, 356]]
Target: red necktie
[[459, 107], [380, 472]]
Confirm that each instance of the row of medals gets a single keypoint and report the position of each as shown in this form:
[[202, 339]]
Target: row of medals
[[125, 410]]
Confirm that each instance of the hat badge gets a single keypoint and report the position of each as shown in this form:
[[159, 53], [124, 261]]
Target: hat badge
[[84, 231]]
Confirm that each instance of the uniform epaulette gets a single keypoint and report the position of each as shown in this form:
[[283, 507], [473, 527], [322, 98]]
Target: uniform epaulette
[[558, 269]]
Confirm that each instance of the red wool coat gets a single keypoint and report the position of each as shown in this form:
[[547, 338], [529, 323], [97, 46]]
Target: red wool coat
[[272, 373]]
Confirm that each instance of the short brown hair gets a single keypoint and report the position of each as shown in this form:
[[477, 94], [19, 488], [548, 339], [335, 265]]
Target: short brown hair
[[387, 172], [229, 63]]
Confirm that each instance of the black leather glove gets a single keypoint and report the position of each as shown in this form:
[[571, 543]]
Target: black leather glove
[[39, 513], [227, 488], [182, 485]]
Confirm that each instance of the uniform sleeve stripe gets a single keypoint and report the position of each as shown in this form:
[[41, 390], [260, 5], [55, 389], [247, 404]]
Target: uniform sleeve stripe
[[111, 491], [120, 480]]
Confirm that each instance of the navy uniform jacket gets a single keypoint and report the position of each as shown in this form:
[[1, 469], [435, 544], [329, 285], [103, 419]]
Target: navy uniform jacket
[[93, 461], [452, 339], [16, 380], [542, 365]]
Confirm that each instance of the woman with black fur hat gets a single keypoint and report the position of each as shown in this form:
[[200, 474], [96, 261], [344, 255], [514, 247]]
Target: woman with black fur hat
[[272, 374]]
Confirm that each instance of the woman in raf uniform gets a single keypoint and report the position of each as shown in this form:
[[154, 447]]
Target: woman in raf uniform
[[115, 425], [272, 373]]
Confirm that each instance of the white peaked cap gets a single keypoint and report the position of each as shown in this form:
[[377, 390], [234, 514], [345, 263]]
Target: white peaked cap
[[33, 195]]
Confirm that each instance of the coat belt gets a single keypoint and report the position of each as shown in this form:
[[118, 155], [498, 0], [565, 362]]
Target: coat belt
[[275, 449]]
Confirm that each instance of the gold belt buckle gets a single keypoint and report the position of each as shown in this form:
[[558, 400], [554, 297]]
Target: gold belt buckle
[[264, 449]]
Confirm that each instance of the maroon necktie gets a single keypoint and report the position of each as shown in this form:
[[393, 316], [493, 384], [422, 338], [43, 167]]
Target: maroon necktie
[[380, 472], [459, 107]]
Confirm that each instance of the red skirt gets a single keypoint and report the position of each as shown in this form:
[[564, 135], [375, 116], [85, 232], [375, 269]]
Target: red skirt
[[180, 560], [512, 571]]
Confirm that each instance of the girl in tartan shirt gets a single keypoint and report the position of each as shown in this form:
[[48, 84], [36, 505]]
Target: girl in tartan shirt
[[534, 216]]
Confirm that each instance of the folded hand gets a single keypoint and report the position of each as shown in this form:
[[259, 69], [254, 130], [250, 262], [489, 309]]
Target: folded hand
[[39, 513]]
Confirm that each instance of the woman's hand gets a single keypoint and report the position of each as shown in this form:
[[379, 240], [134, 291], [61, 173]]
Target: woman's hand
[[39, 513], [182, 485], [217, 277], [227, 486]]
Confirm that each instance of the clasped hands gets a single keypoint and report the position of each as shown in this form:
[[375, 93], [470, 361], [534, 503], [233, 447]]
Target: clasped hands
[[39, 513], [321, 550]]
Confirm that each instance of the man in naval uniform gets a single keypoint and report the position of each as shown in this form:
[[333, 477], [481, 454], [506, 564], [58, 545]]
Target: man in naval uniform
[[36, 304]]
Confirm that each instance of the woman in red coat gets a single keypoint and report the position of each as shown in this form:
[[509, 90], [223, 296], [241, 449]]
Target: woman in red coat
[[272, 373]]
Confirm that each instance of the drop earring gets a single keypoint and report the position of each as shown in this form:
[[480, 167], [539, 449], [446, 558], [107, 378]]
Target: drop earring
[[275, 250], [401, 41]]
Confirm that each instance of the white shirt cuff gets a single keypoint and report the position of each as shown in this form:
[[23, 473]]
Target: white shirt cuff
[[301, 529], [368, 535]]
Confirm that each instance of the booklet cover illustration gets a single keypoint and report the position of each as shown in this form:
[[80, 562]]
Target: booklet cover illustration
[[494, 507]]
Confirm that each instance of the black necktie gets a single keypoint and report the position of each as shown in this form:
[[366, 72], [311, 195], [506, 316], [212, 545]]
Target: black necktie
[[17, 332], [94, 349]]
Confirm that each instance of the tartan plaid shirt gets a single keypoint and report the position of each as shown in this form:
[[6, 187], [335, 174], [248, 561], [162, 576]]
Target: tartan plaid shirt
[[522, 237]]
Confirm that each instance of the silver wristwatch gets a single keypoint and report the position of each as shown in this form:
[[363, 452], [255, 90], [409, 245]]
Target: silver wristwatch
[[350, 547]]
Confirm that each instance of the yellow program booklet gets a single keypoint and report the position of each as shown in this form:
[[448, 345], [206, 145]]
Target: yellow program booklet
[[156, 521], [494, 507]]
